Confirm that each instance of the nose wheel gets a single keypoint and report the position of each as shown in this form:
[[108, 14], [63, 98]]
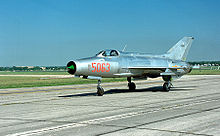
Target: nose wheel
[[100, 90], [131, 85]]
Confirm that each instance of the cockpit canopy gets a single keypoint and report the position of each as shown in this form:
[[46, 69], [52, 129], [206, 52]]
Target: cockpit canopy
[[106, 53]]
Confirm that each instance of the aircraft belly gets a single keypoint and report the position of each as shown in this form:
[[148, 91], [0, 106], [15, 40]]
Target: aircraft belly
[[152, 73]]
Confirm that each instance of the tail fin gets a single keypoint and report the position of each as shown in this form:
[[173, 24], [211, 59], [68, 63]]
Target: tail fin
[[180, 50]]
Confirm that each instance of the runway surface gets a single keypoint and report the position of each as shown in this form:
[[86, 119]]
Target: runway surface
[[191, 108]]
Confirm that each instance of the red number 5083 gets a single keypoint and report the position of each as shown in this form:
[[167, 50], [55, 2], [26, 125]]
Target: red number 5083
[[100, 67]]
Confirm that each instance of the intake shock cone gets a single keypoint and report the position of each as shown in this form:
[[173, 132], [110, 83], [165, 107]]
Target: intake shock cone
[[71, 67]]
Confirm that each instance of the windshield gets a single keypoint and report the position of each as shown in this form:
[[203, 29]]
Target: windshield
[[108, 53], [99, 53]]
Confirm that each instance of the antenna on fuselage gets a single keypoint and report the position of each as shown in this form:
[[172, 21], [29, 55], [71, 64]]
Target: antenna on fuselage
[[124, 47]]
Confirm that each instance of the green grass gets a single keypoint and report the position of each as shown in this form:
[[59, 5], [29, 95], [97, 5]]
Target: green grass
[[35, 73], [20, 82], [204, 72]]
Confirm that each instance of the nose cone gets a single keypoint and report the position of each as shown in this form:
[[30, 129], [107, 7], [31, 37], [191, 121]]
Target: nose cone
[[71, 67]]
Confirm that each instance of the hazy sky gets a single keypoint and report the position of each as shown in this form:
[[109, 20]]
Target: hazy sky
[[52, 32]]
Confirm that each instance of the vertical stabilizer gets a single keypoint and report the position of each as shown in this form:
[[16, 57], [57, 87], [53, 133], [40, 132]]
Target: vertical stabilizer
[[180, 50]]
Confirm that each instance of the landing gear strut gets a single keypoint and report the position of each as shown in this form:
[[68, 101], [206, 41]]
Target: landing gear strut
[[100, 90], [131, 85]]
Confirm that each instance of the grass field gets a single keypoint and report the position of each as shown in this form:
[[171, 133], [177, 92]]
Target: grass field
[[204, 72], [35, 73], [20, 82]]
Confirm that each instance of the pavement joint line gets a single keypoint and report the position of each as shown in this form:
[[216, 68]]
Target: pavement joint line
[[124, 107], [143, 107], [95, 105], [28, 102], [165, 119], [181, 132], [116, 117], [140, 106], [129, 127]]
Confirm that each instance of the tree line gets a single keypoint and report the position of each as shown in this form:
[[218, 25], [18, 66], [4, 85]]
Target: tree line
[[34, 68], [205, 62]]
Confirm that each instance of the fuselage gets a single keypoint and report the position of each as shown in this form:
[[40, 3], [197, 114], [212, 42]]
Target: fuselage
[[124, 64]]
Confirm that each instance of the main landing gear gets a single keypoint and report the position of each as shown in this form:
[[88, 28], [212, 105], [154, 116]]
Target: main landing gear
[[167, 85], [100, 90], [131, 85]]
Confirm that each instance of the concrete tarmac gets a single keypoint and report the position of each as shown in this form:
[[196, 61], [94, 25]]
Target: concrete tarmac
[[191, 108]]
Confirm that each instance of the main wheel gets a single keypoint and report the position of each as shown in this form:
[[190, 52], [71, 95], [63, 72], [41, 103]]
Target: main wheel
[[100, 91], [166, 87], [132, 86]]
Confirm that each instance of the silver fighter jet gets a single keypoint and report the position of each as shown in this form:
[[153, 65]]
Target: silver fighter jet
[[114, 63]]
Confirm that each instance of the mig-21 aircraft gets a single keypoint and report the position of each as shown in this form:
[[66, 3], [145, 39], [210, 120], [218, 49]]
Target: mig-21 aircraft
[[114, 63]]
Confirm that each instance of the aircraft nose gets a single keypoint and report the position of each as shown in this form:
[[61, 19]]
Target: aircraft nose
[[71, 67]]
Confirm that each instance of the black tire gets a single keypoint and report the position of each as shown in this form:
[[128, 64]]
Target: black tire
[[132, 86], [100, 91], [166, 87]]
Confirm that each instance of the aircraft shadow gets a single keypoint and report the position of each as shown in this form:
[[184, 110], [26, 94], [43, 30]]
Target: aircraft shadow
[[114, 91]]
